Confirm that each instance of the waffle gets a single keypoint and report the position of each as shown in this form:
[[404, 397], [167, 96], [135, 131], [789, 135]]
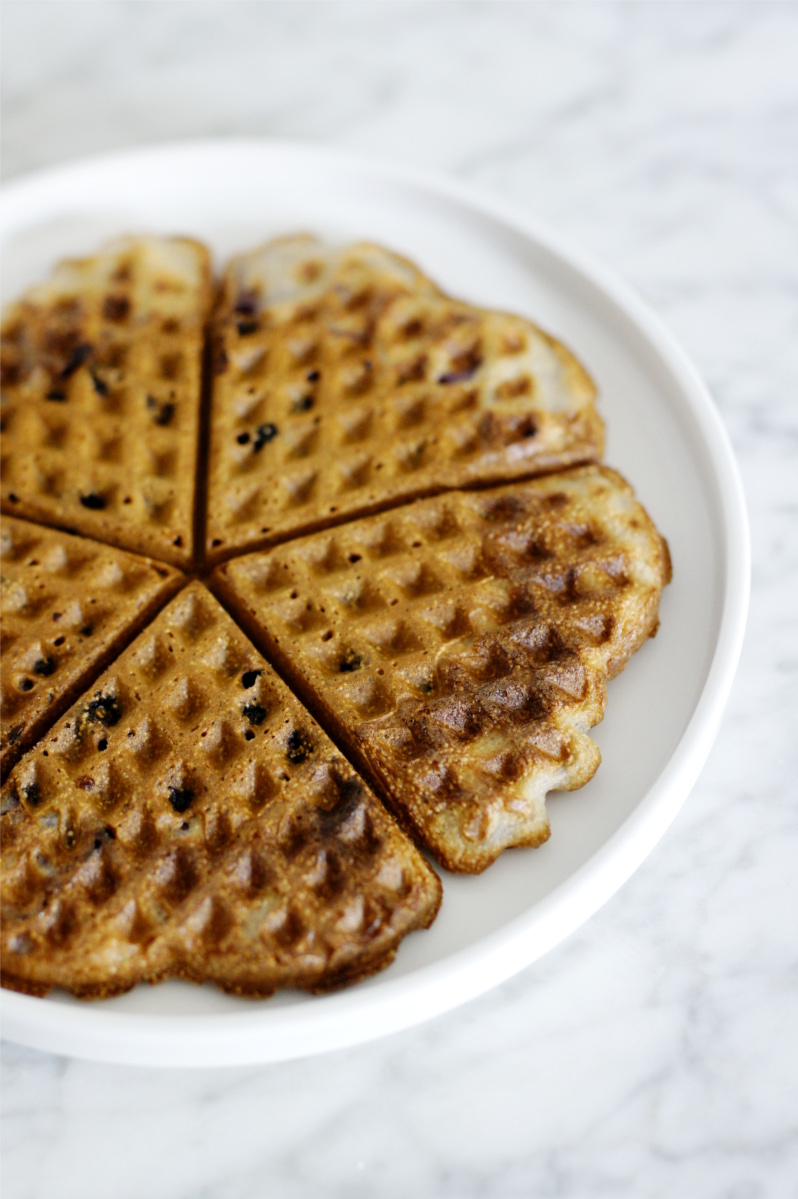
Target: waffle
[[345, 382], [68, 606], [101, 396], [187, 817], [459, 647]]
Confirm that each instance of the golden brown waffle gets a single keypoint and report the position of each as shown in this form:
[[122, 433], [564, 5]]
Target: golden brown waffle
[[187, 817], [459, 646], [101, 396], [345, 382], [68, 605]]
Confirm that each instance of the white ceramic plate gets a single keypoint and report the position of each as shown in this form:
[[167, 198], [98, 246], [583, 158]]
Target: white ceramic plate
[[664, 434]]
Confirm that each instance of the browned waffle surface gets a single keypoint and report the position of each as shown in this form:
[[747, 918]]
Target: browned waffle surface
[[344, 381], [187, 817], [459, 646], [102, 371], [67, 605]]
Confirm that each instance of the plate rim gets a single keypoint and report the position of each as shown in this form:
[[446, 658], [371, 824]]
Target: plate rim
[[390, 1005]]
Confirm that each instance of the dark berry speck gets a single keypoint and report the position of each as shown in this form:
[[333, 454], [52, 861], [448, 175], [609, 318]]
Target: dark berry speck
[[180, 798], [92, 500], [76, 359], [44, 666], [32, 794], [350, 661], [165, 415], [263, 433], [162, 412], [100, 386], [105, 709], [107, 834], [298, 746], [254, 713]]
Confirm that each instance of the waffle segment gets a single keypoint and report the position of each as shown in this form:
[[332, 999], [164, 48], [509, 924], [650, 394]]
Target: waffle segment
[[345, 382], [187, 817], [459, 646], [67, 605], [102, 371]]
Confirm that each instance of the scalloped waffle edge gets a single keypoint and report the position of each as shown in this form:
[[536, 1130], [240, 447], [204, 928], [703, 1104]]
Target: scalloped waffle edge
[[345, 382], [459, 647]]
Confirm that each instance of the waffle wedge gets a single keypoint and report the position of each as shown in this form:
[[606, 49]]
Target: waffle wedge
[[102, 373], [188, 818], [345, 382], [459, 647], [67, 607]]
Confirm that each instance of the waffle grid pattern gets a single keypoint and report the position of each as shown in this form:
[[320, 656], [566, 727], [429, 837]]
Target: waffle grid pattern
[[340, 395], [188, 817], [101, 380], [67, 604], [461, 645]]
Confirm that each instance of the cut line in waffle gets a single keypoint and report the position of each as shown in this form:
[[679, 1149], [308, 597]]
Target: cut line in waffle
[[188, 818], [345, 382], [459, 647]]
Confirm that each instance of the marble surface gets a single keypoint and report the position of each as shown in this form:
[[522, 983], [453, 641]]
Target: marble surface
[[656, 1051]]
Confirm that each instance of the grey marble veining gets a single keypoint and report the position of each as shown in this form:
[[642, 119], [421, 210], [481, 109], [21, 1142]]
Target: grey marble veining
[[656, 1052]]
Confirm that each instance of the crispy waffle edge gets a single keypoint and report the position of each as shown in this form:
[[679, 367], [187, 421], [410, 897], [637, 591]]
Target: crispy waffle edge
[[584, 756], [579, 438]]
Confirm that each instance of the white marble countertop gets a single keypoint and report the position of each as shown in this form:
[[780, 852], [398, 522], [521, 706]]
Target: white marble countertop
[[656, 1051]]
